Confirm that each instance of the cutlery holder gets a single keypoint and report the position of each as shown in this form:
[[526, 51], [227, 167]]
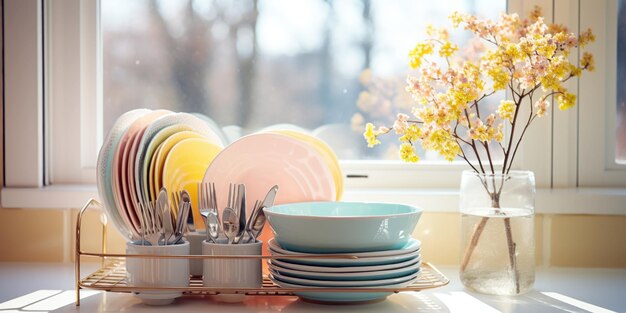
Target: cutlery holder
[[228, 273], [157, 272], [112, 274]]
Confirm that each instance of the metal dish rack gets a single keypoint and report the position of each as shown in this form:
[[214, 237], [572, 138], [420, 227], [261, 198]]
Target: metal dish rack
[[111, 276]]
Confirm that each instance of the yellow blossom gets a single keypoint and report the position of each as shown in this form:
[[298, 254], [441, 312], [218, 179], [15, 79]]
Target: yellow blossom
[[407, 153], [587, 61], [411, 134], [586, 37], [456, 19], [416, 55], [506, 110], [447, 49], [566, 100], [500, 78], [370, 135], [499, 133]]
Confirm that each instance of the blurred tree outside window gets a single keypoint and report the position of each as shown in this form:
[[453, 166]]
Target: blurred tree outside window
[[320, 65]]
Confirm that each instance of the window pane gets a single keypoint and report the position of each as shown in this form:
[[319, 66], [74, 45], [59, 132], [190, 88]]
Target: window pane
[[257, 63], [620, 144]]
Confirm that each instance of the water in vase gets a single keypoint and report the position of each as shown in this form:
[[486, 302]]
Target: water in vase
[[489, 267]]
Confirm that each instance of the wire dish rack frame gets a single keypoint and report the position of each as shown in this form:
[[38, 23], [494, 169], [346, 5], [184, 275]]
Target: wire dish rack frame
[[111, 276]]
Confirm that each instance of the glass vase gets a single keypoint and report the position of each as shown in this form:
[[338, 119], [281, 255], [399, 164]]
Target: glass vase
[[497, 232]]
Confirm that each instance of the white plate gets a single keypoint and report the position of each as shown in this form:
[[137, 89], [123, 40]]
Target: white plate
[[104, 168], [344, 269], [358, 276], [333, 283]]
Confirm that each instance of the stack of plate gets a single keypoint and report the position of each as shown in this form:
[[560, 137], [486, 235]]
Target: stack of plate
[[389, 269], [146, 150]]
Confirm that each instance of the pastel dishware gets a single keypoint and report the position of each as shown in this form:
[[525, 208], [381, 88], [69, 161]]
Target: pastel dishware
[[319, 282], [151, 134], [349, 276], [329, 269], [148, 150], [325, 151], [232, 273], [152, 272], [161, 154], [185, 166], [330, 227], [126, 206], [364, 259], [263, 160], [344, 297], [104, 168]]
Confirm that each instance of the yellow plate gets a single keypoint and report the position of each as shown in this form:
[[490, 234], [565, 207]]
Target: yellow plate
[[161, 155], [325, 151], [184, 168]]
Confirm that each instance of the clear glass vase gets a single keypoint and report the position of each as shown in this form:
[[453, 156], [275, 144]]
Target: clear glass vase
[[498, 232]]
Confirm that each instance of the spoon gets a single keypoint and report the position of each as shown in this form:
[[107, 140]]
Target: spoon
[[230, 224], [213, 217]]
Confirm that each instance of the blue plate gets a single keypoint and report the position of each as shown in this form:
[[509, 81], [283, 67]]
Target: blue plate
[[343, 297], [349, 276], [409, 251]]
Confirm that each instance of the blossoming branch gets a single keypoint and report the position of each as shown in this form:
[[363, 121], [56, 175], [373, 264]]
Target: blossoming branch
[[526, 57]]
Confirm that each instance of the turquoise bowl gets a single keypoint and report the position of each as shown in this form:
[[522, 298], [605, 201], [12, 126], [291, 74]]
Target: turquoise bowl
[[342, 227]]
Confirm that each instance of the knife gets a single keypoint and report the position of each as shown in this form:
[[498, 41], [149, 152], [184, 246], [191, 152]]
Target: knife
[[257, 219]]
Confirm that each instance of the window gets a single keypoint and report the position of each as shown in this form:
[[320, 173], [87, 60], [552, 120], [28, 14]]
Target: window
[[72, 67], [241, 63]]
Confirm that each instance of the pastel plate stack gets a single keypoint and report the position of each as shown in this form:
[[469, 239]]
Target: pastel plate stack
[[343, 245], [149, 149]]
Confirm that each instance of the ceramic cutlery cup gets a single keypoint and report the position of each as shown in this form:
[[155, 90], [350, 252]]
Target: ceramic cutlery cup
[[152, 272], [232, 273]]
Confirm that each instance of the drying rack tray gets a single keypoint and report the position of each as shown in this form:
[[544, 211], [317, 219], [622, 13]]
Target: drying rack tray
[[111, 276]]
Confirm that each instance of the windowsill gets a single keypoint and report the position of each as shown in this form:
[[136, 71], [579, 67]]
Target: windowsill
[[593, 201]]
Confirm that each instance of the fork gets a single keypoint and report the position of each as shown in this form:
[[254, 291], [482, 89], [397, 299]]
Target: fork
[[203, 206], [152, 231], [230, 220], [209, 211]]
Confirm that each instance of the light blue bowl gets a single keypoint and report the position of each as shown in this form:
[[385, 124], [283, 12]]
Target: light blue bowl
[[342, 227]]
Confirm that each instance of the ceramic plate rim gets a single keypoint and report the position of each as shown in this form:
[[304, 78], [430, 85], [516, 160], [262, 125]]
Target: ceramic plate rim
[[322, 275], [411, 246], [344, 269], [347, 284]]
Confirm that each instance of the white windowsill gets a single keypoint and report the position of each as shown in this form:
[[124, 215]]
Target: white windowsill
[[593, 201]]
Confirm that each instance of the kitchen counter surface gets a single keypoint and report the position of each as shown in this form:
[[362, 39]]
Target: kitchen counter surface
[[39, 288]]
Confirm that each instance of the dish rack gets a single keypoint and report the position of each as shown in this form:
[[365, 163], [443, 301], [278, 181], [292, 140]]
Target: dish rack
[[111, 276]]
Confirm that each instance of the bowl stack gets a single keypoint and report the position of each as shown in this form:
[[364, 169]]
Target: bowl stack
[[317, 239]]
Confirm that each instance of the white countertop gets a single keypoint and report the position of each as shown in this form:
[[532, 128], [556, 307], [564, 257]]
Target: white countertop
[[39, 288]]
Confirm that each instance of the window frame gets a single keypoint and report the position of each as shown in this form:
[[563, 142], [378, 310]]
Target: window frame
[[62, 174]]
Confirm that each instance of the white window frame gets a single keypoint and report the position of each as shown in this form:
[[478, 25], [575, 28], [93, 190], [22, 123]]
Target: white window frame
[[73, 97]]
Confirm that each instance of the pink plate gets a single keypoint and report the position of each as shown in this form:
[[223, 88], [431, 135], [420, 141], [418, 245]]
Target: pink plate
[[121, 162], [265, 159]]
